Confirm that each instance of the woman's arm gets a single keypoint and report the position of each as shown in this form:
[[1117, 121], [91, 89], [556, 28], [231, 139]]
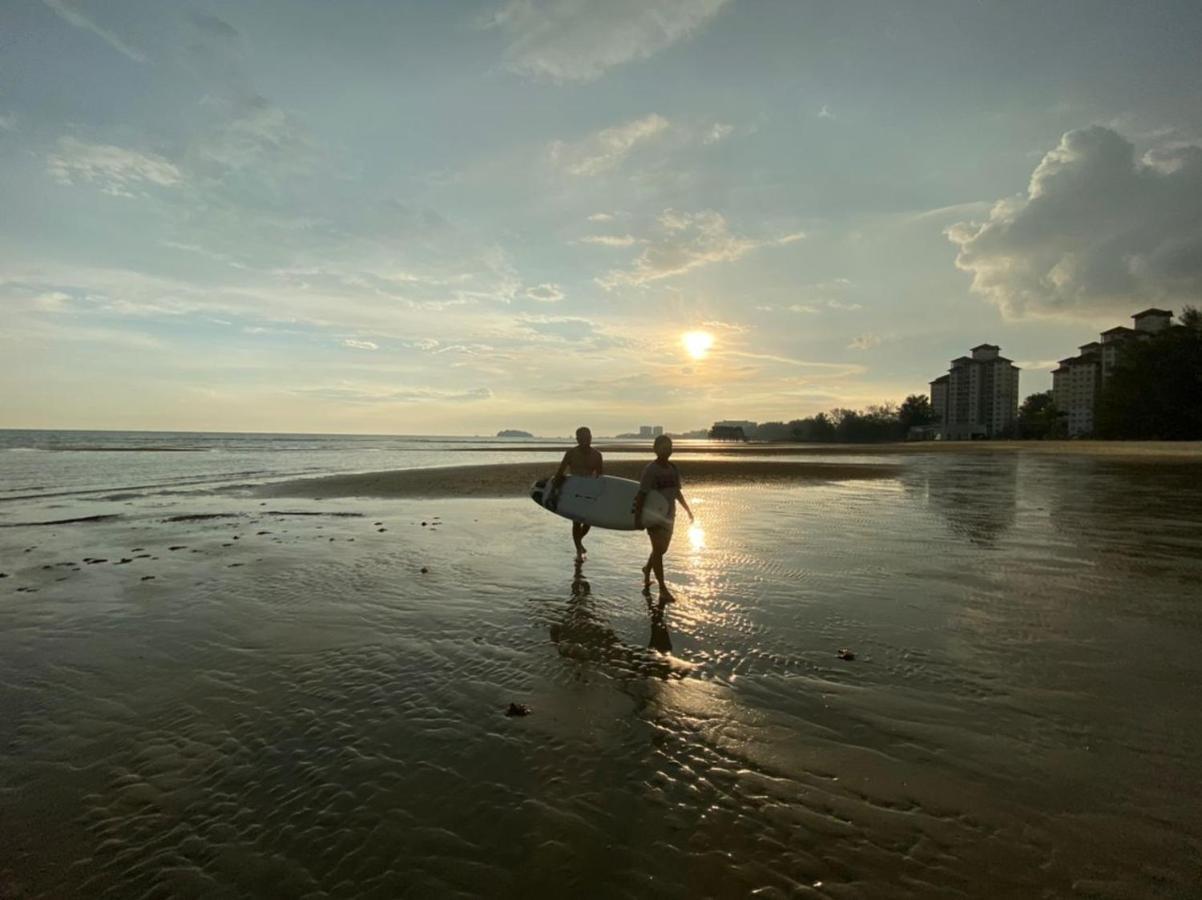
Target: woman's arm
[[639, 499], [684, 503]]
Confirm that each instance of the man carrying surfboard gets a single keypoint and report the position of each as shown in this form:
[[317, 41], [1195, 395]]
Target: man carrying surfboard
[[662, 476], [583, 460]]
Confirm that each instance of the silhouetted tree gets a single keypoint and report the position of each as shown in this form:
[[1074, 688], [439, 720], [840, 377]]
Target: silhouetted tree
[[1038, 417], [1155, 390], [915, 411]]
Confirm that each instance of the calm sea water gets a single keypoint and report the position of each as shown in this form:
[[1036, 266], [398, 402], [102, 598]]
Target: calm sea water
[[251, 699]]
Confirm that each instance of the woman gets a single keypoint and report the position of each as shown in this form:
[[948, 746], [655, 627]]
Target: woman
[[663, 476]]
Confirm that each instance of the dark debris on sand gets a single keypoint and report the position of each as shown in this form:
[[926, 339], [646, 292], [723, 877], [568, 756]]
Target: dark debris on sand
[[518, 709]]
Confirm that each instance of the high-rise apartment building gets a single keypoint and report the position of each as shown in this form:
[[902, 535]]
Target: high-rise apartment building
[[1078, 381], [978, 397]]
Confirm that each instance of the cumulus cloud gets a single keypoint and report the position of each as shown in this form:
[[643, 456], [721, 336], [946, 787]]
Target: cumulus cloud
[[578, 40], [686, 241], [545, 293], [115, 170], [69, 12], [864, 342], [1098, 229], [355, 344], [603, 150], [601, 217]]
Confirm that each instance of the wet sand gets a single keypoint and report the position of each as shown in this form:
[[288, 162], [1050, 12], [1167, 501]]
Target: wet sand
[[226, 695], [514, 479]]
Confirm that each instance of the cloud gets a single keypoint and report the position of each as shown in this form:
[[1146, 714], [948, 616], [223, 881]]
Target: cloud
[[601, 217], [864, 342], [603, 150], [825, 112], [115, 170], [255, 133], [405, 395], [52, 301], [610, 240], [1097, 230], [803, 308], [719, 131], [545, 293], [69, 13], [578, 40], [360, 345], [687, 241], [844, 305], [568, 328], [7, 123]]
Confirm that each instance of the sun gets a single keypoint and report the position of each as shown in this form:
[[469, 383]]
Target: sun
[[698, 343]]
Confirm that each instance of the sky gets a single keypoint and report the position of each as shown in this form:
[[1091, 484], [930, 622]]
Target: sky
[[453, 218]]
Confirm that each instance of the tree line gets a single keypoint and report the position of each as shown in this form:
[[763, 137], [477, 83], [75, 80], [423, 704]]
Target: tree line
[[876, 424]]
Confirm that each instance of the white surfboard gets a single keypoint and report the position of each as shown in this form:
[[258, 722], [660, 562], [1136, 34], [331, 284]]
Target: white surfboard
[[606, 501]]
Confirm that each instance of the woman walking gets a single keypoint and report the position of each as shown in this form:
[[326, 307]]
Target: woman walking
[[663, 476]]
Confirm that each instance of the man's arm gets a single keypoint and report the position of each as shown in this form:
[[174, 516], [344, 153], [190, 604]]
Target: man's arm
[[563, 467], [639, 499], [600, 469]]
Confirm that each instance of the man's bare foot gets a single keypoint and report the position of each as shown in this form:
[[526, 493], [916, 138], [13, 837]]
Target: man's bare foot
[[646, 577], [665, 595]]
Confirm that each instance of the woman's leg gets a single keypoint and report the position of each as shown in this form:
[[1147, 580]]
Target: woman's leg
[[661, 538]]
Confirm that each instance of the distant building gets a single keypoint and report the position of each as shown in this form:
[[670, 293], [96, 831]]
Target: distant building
[[650, 431], [978, 397], [1077, 381]]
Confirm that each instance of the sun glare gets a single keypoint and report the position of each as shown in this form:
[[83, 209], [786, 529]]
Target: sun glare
[[698, 343]]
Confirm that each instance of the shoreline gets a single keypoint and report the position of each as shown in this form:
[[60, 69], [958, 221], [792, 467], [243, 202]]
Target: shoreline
[[1135, 450], [514, 479]]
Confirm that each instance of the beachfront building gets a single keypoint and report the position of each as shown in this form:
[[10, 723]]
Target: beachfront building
[[978, 397], [939, 397], [1077, 381], [650, 431]]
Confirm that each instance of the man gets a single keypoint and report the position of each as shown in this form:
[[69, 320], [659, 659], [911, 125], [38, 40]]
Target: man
[[663, 476], [585, 461]]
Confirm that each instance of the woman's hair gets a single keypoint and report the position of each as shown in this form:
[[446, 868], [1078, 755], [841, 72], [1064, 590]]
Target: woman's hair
[[660, 441]]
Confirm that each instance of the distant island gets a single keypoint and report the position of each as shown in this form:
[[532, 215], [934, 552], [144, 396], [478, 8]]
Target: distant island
[[513, 432]]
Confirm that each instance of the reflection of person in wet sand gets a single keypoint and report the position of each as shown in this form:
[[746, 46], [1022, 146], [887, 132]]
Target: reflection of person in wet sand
[[661, 639], [584, 460], [663, 476]]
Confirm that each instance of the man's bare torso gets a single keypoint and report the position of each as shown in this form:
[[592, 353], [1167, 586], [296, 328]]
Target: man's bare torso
[[583, 461]]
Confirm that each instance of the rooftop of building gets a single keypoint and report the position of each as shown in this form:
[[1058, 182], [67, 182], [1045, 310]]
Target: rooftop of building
[[941, 379], [986, 347], [1119, 329], [1153, 311]]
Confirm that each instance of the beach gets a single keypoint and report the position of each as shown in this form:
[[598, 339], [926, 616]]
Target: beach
[[267, 675]]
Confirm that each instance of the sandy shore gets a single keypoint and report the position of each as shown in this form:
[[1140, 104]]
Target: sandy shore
[[514, 479], [1135, 450]]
